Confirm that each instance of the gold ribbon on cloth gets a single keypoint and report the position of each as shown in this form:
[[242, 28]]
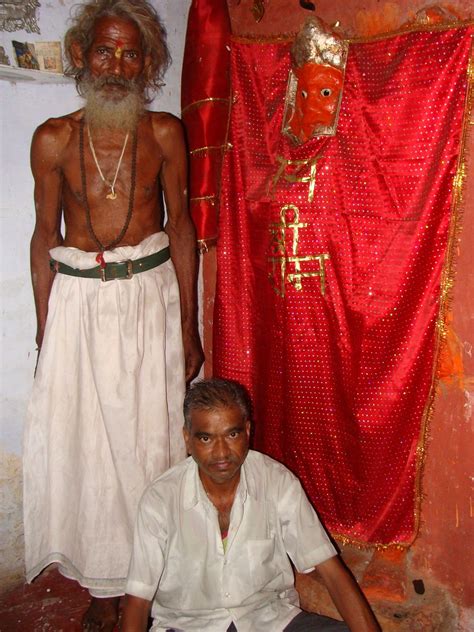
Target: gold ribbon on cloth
[[205, 103]]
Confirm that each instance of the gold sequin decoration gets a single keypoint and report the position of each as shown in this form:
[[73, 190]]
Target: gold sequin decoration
[[236, 225]]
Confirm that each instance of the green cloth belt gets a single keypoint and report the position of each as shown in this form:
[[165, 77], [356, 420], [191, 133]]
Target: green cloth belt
[[115, 270]]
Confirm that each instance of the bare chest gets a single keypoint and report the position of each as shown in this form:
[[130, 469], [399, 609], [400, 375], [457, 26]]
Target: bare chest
[[111, 190], [223, 516], [111, 169]]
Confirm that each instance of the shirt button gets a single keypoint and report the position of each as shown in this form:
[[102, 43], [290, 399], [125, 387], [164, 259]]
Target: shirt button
[[227, 595]]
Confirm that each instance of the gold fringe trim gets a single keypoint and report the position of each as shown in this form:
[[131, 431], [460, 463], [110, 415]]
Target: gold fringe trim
[[197, 104], [412, 28], [268, 39], [446, 286], [378, 546]]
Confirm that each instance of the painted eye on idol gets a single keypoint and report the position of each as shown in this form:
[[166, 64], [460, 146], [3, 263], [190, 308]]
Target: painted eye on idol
[[326, 92], [304, 94]]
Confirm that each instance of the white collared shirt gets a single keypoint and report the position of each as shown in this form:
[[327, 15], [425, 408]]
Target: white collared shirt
[[179, 562]]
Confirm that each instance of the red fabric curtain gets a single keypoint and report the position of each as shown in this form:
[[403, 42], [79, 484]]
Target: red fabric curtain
[[330, 259], [205, 107]]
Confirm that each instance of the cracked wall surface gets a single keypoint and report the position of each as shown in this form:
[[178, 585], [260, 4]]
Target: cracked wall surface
[[11, 522]]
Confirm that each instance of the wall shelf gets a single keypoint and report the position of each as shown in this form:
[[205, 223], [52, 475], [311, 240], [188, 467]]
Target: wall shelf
[[14, 74]]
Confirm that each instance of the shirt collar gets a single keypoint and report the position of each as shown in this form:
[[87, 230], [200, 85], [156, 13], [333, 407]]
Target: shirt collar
[[192, 484]]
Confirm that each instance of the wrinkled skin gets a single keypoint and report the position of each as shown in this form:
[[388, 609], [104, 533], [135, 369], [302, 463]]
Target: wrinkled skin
[[316, 101]]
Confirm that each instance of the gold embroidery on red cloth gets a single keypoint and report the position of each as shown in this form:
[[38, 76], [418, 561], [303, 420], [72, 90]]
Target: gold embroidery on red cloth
[[197, 104], [287, 267], [200, 150], [296, 176]]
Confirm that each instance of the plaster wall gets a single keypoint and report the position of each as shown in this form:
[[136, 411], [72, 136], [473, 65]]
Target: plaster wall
[[23, 106]]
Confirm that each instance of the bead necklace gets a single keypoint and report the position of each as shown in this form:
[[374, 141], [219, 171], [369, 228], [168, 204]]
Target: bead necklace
[[112, 195], [85, 201], [258, 10]]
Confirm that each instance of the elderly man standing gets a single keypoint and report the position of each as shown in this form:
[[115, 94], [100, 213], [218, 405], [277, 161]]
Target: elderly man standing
[[116, 305], [215, 535]]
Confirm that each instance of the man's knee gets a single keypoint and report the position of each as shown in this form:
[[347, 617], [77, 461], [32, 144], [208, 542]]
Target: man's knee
[[309, 622]]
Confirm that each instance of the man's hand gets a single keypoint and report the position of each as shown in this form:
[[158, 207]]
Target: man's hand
[[347, 596], [39, 336], [193, 354], [135, 614]]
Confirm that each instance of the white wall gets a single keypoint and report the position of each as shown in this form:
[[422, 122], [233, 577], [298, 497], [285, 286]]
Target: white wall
[[23, 106]]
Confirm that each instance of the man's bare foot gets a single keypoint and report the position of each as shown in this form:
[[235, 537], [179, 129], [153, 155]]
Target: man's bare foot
[[101, 615]]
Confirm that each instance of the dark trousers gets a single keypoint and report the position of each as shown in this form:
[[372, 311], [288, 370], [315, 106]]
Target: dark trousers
[[309, 622]]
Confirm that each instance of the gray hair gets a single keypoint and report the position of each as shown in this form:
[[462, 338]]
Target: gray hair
[[215, 393], [152, 32]]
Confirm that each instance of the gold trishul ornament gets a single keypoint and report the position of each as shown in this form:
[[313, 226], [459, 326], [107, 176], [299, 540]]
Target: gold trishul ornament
[[285, 262]]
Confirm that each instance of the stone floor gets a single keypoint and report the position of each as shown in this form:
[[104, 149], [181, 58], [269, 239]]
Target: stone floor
[[50, 604], [402, 603]]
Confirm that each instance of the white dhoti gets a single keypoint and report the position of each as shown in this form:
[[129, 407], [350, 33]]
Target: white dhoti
[[105, 415]]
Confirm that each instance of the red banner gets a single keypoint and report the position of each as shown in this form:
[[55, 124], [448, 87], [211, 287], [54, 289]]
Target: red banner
[[330, 260], [205, 104]]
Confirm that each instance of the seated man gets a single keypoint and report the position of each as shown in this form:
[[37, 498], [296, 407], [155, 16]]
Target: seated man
[[215, 534]]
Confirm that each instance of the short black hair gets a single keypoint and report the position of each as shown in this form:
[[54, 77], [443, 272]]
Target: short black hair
[[214, 393]]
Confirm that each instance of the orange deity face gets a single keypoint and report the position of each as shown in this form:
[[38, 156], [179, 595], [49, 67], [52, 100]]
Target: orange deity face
[[316, 100]]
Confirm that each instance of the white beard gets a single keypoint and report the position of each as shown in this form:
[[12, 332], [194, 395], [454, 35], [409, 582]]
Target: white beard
[[105, 111]]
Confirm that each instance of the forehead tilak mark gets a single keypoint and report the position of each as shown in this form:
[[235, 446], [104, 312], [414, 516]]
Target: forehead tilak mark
[[119, 49]]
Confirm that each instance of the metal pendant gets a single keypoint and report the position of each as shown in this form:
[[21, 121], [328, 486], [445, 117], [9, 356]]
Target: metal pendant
[[258, 10], [111, 196]]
